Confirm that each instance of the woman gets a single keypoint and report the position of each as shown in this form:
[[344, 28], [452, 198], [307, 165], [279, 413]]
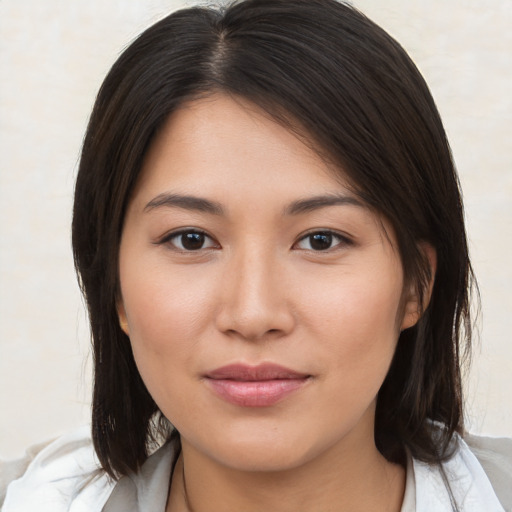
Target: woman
[[269, 234]]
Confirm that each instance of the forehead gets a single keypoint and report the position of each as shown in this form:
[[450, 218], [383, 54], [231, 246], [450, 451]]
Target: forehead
[[225, 144], [226, 157]]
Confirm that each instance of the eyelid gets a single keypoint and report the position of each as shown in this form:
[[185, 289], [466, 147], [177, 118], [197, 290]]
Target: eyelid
[[344, 239], [167, 237]]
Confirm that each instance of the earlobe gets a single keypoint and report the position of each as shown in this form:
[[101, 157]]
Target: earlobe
[[415, 305], [412, 313], [123, 322]]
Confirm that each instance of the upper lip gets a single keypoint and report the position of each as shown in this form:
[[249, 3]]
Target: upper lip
[[261, 372]]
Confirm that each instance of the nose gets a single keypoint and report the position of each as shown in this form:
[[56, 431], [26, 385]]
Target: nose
[[255, 302]]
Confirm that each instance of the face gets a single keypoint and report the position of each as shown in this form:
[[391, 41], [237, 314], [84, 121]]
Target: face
[[263, 299]]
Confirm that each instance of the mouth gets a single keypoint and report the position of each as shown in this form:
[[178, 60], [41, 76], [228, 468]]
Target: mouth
[[255, 386]]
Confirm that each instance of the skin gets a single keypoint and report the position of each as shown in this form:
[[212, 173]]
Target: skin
[[256, 291]]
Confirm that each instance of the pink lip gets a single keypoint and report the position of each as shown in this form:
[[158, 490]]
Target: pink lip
[[255, 386]]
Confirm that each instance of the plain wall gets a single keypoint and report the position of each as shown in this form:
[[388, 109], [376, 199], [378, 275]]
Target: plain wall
[[53, 57]]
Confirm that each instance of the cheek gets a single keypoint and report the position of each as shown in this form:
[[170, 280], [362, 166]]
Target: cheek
[[165, 317], [167, 312], [354, 320], [163, 306], [354, 303]]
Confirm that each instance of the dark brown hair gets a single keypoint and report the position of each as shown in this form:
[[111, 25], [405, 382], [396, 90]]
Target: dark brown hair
[[328, 72]]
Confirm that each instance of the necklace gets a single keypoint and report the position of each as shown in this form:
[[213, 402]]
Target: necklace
[[185, 492]]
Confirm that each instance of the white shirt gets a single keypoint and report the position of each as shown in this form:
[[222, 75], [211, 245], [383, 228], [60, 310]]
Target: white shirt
[[65, 477]]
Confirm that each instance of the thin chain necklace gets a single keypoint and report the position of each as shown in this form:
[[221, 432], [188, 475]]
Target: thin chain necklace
[[185, 492]]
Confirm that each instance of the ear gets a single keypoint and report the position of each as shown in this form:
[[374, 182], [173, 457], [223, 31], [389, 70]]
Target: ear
[[121, 313], [413, 307]]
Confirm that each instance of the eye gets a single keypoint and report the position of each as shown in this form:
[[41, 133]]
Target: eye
[[322, 241], [189, 240]]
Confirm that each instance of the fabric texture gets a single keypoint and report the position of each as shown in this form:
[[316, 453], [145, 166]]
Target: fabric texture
[[14, 469], [495, 456], [64, 476]]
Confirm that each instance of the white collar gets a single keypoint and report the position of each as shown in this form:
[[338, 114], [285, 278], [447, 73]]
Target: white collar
[[64, 477], [426, 490], [472, 491]]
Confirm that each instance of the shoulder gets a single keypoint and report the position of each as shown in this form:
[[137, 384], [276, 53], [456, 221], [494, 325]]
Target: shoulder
[[495, 456], [60, 476], [13, 469], [476, 477]]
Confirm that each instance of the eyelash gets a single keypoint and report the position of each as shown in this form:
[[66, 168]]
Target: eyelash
[[167, 239], [330, 235], [343, 240]]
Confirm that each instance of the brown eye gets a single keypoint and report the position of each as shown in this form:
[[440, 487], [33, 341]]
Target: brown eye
[[190, 241], [322, 241]]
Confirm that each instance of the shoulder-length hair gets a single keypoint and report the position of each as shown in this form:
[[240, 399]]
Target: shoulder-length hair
[[334, 77]]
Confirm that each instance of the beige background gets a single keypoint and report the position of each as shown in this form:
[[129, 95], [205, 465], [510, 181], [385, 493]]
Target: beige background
[[53, 56]]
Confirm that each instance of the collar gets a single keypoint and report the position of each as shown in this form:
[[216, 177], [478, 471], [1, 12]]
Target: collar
[[64, 477], [427, 485]]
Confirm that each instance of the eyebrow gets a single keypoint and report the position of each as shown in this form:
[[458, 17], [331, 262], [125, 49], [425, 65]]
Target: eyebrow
[[186, 202], [315, 203], [201, 204]]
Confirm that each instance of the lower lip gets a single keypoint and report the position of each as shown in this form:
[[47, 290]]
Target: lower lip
[[261, 393]]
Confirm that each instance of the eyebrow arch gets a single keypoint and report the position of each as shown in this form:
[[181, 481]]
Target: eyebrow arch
[[317, 202], [186, 202]]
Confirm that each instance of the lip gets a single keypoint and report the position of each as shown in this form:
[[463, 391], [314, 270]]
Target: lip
[[255, 386]]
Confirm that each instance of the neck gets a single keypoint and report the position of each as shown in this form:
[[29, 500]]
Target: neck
[[352, 477]]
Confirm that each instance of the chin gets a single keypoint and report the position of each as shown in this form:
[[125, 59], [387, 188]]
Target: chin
[[264, 451], [263, 459]]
